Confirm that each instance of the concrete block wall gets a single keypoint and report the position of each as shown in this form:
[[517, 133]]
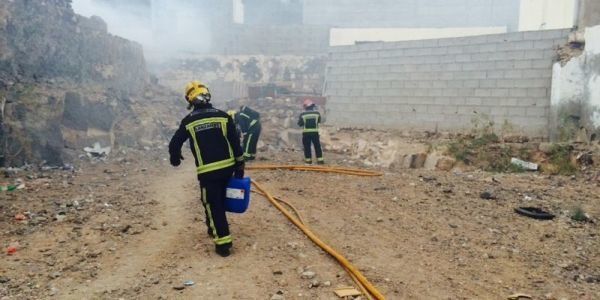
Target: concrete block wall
[[445, 84]]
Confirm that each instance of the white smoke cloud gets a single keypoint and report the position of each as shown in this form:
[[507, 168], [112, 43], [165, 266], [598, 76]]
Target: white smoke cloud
[[168, 27]]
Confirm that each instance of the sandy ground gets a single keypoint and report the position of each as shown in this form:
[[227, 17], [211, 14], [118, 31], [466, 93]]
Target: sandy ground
[[134, 229]]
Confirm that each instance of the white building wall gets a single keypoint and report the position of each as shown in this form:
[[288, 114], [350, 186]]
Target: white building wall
[[576, 87]]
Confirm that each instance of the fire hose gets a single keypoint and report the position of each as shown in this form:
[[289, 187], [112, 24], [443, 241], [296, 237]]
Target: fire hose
[[368, 289]]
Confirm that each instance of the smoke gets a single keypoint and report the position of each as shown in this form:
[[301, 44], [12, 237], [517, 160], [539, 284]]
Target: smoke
[[165, 28]]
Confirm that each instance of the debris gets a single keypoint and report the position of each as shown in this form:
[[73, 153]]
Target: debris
[[535, 213], [11, 250], [445, 164], [308, 275], [8, 188], [347, 292], [179, 287], [53, 291], [585, 159], [519, 296], [60, 217], [487, 196], [68, 167], [524, 164], [189, 283], [97, 151], [277, 297], [314, 283], [520, 139], [327, 283], [20, 217], [4, 279]]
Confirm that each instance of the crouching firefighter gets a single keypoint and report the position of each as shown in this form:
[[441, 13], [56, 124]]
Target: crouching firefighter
[[249, 122], [218, 155], [309, 121]]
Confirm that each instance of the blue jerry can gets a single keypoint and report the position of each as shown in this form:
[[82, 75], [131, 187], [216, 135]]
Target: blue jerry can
[[237, 196]]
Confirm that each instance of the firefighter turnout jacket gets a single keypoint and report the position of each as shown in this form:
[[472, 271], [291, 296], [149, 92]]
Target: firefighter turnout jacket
[[309, 121], [248, 119], [213, 140]]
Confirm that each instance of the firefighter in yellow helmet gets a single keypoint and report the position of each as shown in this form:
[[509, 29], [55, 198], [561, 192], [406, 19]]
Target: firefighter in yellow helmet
[[215, 145]]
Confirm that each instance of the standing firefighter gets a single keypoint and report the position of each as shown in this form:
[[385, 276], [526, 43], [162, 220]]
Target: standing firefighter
[[249, 122], [309, 121], [216, 148]]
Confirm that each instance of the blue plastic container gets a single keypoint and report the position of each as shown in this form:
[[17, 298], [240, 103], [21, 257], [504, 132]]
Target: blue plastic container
[[237, 196]]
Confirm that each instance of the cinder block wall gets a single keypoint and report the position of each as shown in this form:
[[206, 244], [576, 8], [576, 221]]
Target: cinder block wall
[[445, 84]]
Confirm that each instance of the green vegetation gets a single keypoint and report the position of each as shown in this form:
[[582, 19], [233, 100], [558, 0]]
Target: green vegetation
[[560, 157], [579, 215], [487, 152], [568, 125]]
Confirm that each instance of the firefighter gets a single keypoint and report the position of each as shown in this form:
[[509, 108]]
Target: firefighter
[[218, 155], [234, 116], [309, 121], [249, 122]]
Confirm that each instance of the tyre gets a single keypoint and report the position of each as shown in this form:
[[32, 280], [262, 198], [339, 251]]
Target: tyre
[[535, 213]]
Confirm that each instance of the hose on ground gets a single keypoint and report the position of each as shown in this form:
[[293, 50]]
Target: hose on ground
[[301, 220], [366, 287], [324, 169]]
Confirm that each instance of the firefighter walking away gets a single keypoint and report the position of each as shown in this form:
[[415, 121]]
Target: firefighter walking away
[[309, 121], [218, 156]]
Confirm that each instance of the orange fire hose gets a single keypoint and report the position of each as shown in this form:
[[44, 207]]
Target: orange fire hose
[[301, 220], [338, 170], [367, 287]]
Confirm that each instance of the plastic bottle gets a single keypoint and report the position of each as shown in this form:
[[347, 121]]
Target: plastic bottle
[[4, 188]]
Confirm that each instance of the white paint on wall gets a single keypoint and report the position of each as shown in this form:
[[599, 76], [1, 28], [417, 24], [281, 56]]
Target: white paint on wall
[[578, 81], [592, 52], [348, 36], [592, 40], [594, 92], [568, 82], [547, 14]]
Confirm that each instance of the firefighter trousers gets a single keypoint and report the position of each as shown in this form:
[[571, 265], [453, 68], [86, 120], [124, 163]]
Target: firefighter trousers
[[308, 139], [250, 142], [213, 200]]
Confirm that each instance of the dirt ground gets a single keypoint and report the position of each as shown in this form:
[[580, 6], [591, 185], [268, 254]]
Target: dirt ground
[[132, 228]]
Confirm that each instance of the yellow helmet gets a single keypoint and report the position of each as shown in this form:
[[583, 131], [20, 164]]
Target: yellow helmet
[[231, 113], [196, 91]]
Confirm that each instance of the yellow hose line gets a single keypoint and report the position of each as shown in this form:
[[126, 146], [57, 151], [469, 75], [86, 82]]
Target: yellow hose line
[[361, 286], [301, 220], [342, 260], [324, 169], [294, 209]]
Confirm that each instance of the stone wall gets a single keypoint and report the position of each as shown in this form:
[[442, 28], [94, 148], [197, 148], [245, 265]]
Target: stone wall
[[66, 83], [445, 84], [47, 40]]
